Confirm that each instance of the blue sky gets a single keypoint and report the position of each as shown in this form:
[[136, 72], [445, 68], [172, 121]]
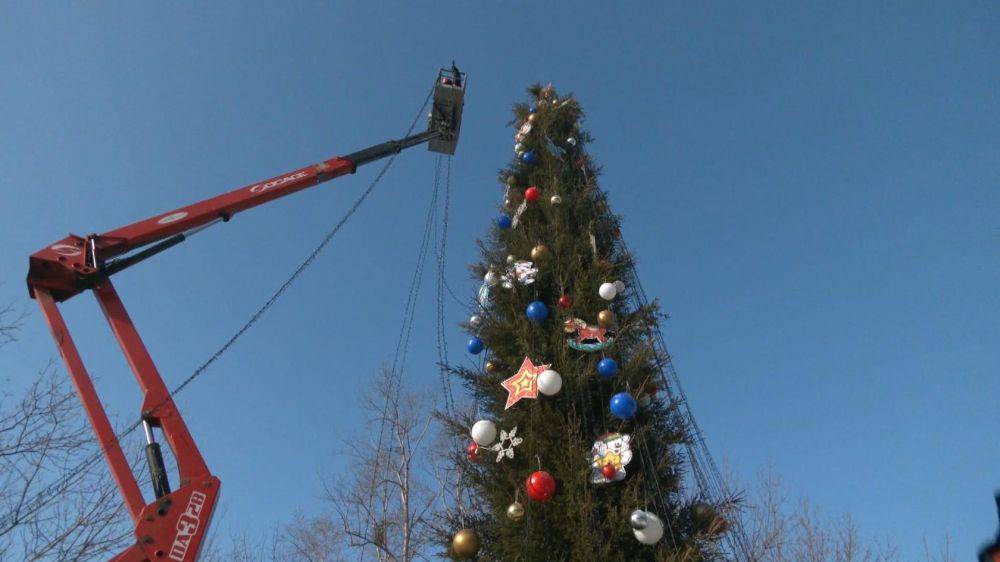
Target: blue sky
[[812, 192]]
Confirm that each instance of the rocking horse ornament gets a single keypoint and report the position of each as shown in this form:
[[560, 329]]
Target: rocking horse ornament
[[587, 337]]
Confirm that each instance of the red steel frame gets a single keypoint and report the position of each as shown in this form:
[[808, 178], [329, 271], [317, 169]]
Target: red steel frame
[[171, 527]]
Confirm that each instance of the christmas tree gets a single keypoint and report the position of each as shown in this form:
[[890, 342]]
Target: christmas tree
[[573, 452]]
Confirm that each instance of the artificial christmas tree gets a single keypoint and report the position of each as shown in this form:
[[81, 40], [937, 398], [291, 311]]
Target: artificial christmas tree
[[565, 360]]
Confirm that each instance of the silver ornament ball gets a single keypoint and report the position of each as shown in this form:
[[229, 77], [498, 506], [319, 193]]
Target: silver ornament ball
[[639, 520], [571, 141], [476, 321], [555, 200]]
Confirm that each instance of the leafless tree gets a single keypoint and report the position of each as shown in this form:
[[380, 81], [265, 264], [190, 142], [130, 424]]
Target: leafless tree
[[384, 505], [43, 437], [779, 531]]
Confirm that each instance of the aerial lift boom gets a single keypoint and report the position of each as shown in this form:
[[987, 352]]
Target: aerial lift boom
[[173, 526]]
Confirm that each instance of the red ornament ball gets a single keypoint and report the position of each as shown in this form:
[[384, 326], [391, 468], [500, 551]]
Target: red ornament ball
[[472, 452], [532, 194], [541, 486], [565, 301], [609, 471]]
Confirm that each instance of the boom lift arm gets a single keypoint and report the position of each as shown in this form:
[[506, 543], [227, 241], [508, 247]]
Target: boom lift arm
[[173, 526]]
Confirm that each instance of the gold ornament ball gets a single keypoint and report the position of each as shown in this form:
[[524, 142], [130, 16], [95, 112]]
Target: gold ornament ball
[[511, 258], [540, 253], [605, 318], [491, 367], [532, 117], [515, 511], [465, 544]]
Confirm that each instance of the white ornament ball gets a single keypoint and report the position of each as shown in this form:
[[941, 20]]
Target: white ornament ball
[[491, 278], [653, 531], [476, 321], [519, 147], [555, 200], [484, 433], [607, 291], [571, 141], [619, 287], [549, 382]]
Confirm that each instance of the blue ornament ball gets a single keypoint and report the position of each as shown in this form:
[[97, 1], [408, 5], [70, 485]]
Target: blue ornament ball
[[504, 221], [623, 406], [537, 312], [475, 345], [532, 109], [607, 368], [528, 157]]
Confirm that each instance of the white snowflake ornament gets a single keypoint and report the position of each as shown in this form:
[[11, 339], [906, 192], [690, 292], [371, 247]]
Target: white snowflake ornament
[[505, 446]]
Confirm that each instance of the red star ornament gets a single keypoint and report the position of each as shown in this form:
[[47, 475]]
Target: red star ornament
[[524, 383]]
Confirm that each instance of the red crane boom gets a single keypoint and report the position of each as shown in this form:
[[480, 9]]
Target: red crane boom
[[173, 526]]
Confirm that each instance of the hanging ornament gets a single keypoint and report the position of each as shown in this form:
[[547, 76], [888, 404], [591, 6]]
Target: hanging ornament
[[532, 109], [554, 149], [607, 367], [532, 194], [605, 319], [565, 301], [623, 406], [524, 383], [609, 455], [639, 520], [652, 527], [532, 117], [517, 214], [518, 148], [541, 486], [472, 452], [505, 446], [491, 278], [587, 337], [607, 291], [484, 433], [529, 157], [571, 141], [555, 200], [515, 511], [474, 345], [511, 259], [540, 253], [476, 321], [549, 382], [647, 396], [523, 272], [537, 312], [491, 367], [524, 131], [619, 287], [703, 514], [465, 544], [504, 222]]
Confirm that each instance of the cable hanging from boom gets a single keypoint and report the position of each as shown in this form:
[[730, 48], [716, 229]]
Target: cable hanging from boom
[[58, 487]]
